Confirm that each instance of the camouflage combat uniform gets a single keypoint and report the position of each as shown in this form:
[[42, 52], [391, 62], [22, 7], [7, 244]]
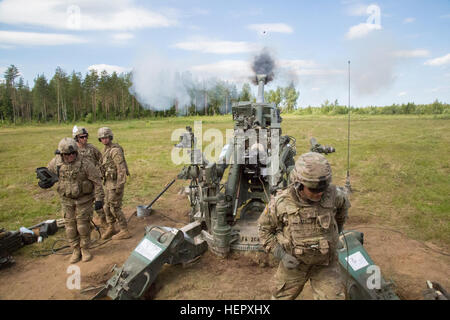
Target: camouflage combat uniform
[[79, 184], [89, 151], [308, 231], [114, 169]]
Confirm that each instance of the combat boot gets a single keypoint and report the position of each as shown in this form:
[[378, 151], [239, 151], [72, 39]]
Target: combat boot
[[76, 255], [123, 234], [86, 255], [109, 232]]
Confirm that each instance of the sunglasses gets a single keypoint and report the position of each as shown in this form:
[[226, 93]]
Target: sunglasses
[[82, 137], [69, 154], [317, 190]]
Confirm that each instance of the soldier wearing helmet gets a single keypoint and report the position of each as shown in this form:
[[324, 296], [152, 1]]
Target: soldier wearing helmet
[[115, 170], [300, 227], [79, 184], [89, 151]]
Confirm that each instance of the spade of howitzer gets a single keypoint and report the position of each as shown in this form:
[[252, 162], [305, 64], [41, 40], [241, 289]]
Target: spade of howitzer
[[144, 211], [46, 178]]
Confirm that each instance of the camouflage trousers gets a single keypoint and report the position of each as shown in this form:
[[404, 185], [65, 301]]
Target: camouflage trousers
[[113, 208], [326, 282], [77, 220]]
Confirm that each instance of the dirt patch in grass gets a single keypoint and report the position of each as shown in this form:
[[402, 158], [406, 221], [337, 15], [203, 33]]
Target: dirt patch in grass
[[241, 276]]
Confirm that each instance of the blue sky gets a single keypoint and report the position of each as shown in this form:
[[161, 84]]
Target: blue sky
[[399, 50]]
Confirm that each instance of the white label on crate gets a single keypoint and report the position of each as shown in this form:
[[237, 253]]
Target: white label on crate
[[357, 261], [147, 249]]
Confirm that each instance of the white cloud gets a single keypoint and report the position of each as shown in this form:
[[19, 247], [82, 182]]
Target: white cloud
[[361, 30], [438, 61], [38, 39], [315, 89], [307, 68], [108, 68], [271, 27], [218, 47], [357, 10], [82, 15], [441, 88], [403, 93], [298, 64], [417, 53], [232, 70], [240, 70], [409, 20], [123, 36]]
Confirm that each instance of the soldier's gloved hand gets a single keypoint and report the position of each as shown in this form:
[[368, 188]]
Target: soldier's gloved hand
[[290, 262], [98, 205]]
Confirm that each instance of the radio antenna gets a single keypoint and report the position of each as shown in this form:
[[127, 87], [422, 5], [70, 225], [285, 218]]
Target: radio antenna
[[347, 181]]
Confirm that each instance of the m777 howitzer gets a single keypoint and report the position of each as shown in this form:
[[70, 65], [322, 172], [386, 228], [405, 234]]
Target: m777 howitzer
[[223, 216]]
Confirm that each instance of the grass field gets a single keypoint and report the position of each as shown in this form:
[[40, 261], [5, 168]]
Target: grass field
[[399, 166]]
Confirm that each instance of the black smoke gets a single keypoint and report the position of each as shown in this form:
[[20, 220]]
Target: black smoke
[[263, 63]]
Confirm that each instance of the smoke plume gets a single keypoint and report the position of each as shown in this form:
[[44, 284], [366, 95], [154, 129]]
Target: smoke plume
[[264, 63]]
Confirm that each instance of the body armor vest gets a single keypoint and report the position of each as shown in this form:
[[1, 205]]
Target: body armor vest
[[73, 181], [88, 152], [108, 167], [310, 228]]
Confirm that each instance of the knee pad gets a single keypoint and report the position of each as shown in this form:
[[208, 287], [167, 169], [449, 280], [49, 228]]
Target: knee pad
[[83, 227]]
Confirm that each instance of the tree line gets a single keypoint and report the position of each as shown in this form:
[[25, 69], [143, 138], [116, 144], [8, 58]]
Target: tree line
[[98, 97], [67, 97], [335, 108]]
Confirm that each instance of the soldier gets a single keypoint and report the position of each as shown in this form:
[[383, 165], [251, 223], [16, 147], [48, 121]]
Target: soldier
[[114, 169], [89, 151], [300, 227], [79, 183]]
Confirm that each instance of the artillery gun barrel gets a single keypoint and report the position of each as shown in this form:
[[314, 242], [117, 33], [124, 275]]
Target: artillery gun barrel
[[262, 80]]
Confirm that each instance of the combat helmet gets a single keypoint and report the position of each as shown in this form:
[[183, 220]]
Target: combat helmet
[[67, 145], [79, 131], [312, 170], [105, 132]]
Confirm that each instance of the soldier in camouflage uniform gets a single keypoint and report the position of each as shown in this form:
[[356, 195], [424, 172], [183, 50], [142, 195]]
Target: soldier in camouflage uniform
[[90, 152], [80, 182], [300, 227], [115, 170]]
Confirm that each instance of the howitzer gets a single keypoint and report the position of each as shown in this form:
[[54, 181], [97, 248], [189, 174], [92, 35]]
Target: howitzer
[[362, 277], [46, 178], [159, 246], [224, 214]]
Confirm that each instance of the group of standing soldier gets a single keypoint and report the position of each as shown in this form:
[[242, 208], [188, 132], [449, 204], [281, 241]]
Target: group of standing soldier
[[89, 179], [300, 225]]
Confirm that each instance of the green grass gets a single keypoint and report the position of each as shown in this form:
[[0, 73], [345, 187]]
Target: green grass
[[400, 165]]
